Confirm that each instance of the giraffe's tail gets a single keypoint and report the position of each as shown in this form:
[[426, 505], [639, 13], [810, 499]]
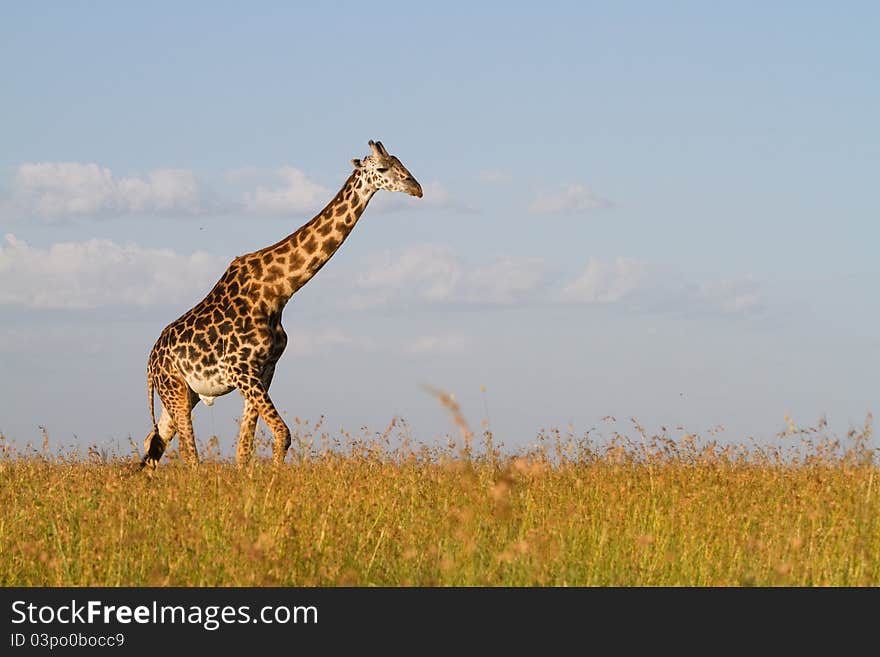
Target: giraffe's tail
[[150, 390], [154, 434]]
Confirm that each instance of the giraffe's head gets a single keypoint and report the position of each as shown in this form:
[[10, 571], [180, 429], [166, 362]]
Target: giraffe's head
[[384, 171]]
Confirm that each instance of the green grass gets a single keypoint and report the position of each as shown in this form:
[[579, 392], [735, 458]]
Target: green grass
[[656, 512]]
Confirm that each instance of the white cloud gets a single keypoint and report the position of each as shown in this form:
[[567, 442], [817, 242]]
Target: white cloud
[[52, 190], [574, 198], [56, 190], [435, 274], [507, 280], [432, 273], [100, 272], [435, 195], [606, 282], [731, 296], [647, 287], [297, 194], [302, 342], [428, 272]]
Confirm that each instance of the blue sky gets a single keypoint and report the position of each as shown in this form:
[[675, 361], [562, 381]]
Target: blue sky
[[661, 211]]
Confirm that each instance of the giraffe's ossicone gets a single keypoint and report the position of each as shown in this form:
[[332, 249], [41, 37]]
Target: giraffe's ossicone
[[233, 337]]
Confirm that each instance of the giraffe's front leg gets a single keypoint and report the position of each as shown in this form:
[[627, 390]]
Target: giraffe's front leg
[[246, 430], [254, 391]]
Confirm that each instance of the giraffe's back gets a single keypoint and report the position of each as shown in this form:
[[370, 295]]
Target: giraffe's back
[[230, 327]]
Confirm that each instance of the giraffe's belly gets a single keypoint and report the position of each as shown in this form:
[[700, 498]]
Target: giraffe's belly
[[208, 389]]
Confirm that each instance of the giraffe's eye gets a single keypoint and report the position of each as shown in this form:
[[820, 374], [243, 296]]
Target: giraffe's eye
[[381, 169]]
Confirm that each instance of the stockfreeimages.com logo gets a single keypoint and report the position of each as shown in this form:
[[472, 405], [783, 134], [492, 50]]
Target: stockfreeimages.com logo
[[210, 617]]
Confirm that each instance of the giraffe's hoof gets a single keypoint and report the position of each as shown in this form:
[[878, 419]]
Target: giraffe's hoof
[[148, 465]]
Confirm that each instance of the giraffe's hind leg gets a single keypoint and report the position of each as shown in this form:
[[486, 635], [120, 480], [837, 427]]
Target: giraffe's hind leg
[[178, 401], [183, 402]]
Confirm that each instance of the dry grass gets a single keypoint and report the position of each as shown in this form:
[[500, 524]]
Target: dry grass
[[378, 511]]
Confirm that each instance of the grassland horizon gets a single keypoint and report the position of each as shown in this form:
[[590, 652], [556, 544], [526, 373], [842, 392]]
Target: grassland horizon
[[570, 511]]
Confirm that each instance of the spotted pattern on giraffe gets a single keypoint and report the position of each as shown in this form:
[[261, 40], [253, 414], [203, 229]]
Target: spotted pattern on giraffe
[[233, 338]]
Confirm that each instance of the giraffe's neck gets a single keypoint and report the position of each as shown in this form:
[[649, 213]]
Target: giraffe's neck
[[289, 264]]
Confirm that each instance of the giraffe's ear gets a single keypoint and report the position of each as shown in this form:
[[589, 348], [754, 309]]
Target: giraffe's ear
[[357, 163]]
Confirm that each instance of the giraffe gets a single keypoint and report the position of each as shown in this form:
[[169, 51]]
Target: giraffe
[[233, 338]]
